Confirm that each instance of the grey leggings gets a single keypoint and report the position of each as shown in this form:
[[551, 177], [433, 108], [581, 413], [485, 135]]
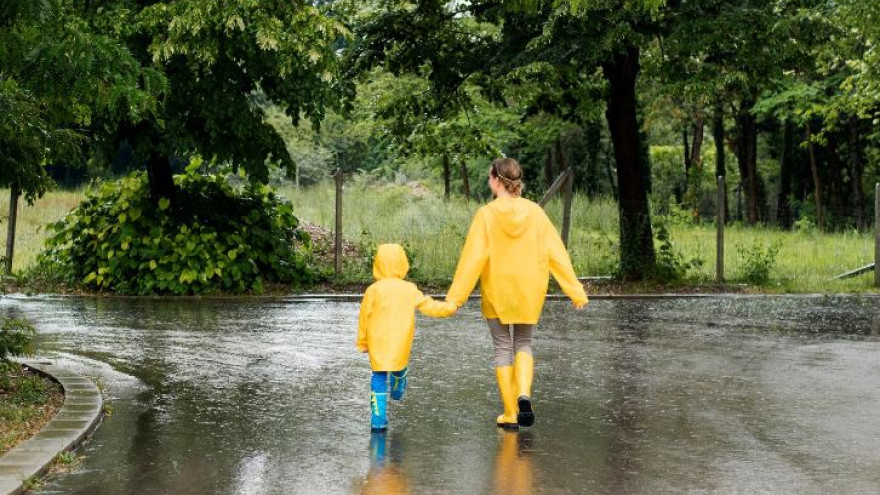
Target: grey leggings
[[507, 347]]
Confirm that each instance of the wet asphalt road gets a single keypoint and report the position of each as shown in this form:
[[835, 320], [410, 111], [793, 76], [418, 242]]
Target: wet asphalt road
[[724, 395]]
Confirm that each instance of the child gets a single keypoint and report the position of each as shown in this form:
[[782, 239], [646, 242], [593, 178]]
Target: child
[[387, 324]]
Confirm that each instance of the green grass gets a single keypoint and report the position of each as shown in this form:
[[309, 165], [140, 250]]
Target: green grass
[[434, 231], [30, 230], [26, 403]]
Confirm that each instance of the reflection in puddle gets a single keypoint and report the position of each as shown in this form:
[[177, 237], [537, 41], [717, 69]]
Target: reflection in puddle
[[513, 463], [386, 476]]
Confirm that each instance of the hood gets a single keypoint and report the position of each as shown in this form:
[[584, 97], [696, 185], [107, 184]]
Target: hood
[[390, 262], [511, 214]]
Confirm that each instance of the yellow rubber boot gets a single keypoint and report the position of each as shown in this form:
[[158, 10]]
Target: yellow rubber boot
[[507, 389], [524, 365]]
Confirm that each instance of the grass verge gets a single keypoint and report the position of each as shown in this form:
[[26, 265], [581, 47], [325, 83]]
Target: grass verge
[[27, 402]]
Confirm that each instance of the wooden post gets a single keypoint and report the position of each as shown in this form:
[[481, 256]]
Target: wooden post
[[338, 243], [559, 182], [719, 227], [10, 232], [877, 235], [566, 208]]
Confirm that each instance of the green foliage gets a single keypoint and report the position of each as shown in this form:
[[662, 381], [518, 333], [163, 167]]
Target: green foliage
[[221, 58], [16, 339], [757, 262], [671, 265], [215, 239], [57, 76], [24, 138]]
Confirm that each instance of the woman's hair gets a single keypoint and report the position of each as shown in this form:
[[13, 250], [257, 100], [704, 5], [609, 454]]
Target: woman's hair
[[508, 171]]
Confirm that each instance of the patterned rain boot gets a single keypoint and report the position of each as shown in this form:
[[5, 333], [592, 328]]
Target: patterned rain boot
[[378, 411], [398, 383]]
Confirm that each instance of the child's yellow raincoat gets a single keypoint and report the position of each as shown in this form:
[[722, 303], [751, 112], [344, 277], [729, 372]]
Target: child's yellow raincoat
[[387, 319], [512, 247]]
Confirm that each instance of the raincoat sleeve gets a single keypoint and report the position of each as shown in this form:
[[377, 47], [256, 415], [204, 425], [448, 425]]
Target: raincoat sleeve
[[560, 267], [364, 320], [470, 264], [437, 309]]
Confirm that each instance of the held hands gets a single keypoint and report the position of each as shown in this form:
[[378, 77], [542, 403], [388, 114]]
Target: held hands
[[450, 308]]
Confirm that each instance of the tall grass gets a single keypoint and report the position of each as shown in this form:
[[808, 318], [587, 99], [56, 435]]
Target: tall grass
[[434, 232], [30, 229]]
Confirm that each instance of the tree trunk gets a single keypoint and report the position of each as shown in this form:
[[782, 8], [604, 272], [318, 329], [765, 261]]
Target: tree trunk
[[549, 177], [14, 193], [817, 182], [446, 179], [746, 153], [681, 192], [592, 178], [834, 200], [718, 136], [636, 239], [786, 169], [466, 184], [697, 144], [856, 165], [609, 171], [561, 162], [161, 179], [696, 160]]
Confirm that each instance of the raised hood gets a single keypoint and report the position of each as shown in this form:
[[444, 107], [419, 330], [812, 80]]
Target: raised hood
[[390, 262]]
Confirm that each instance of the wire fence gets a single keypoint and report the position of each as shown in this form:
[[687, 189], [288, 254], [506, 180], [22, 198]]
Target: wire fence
[[805, 255]]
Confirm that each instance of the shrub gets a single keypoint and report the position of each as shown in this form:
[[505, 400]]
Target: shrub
[[16, 339], [671, 265], [757, 262], [215, 238]]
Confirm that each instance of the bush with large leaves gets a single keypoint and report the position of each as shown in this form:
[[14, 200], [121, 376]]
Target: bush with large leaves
[[216, 239]]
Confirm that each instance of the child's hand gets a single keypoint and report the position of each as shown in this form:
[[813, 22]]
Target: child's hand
[[362, 348], [450, 307], [579, 306]]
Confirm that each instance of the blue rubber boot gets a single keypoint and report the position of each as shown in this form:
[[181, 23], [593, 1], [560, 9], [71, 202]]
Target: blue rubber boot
[[398, 383], [378, 411], [379, 401]]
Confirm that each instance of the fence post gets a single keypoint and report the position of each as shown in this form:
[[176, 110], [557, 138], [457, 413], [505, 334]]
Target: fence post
[[877, 235], [559, 182], [566, 206], [719, 227], [338, 234], [10, 232]]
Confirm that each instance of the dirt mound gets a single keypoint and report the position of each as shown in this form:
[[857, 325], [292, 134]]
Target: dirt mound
[[323, 243]]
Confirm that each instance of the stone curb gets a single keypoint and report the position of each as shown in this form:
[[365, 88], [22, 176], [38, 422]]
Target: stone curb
[[80, 414]]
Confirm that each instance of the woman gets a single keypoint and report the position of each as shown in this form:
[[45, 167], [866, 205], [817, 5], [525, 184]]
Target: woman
[[512, 247]]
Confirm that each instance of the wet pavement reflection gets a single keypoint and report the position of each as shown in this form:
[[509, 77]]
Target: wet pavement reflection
[[726, 394]]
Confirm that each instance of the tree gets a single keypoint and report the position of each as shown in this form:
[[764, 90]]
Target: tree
[[217, 56], [486, 41], [57, 76]]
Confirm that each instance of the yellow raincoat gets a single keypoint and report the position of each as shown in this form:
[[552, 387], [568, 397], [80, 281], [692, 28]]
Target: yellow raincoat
[[512, 247], [387, 319]]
